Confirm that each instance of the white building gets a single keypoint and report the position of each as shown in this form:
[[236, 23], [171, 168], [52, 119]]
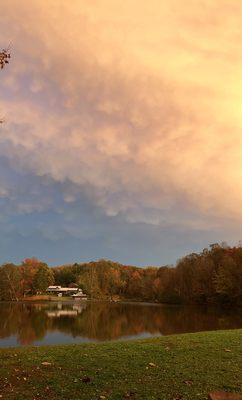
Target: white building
[[62, 290], [79, 295]]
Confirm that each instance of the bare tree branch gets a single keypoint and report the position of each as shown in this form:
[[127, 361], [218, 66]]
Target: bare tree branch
[[4, 59]]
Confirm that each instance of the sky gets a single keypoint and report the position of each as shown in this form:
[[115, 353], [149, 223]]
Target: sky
[[123, 129]]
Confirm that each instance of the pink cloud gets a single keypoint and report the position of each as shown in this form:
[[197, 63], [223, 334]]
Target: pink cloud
[[137, 103]]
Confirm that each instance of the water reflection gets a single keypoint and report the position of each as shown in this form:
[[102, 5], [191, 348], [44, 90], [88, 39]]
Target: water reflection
[[45, 323]]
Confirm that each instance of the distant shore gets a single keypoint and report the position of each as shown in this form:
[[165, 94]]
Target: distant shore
[[54, 299]]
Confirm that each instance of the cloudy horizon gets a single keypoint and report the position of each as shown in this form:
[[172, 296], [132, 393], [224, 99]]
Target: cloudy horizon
[[122, 134]]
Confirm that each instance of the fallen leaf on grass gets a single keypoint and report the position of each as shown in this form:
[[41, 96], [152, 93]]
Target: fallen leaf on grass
[[189, 383], [129, 395], [86, 379], [152, 364]]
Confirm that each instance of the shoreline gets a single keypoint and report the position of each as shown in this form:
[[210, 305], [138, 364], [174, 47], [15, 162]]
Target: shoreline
[[55, 299]]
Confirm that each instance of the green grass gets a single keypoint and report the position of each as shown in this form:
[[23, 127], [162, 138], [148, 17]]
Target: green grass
[[186, 367]]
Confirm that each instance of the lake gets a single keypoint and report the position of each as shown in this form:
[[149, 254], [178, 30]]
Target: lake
[[23, 324]]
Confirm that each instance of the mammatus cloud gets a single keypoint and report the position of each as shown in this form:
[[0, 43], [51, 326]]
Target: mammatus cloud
[[137, 106]]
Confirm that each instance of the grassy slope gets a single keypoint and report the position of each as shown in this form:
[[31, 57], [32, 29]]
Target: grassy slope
[[186, 367]]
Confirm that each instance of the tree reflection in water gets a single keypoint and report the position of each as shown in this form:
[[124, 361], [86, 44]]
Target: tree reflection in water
[[99, 321]]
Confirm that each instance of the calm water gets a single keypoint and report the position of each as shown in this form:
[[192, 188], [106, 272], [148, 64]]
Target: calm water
[[24, 324]]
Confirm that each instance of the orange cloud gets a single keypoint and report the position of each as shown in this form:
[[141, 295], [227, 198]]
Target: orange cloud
[[137, 103]]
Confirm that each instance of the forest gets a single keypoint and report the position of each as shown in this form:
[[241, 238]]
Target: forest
[[212, 276]]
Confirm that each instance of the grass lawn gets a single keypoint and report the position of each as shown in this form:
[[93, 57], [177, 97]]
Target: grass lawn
[[171, 367]]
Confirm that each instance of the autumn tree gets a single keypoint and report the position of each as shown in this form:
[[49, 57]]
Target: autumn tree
[[43, 278], [35, 275], [227, 280], [10, 282]]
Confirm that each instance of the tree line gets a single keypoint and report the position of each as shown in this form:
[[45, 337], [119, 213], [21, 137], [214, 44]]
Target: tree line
[[212, 276]]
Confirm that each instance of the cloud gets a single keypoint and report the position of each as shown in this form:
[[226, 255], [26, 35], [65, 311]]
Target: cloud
[[137, 106]]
